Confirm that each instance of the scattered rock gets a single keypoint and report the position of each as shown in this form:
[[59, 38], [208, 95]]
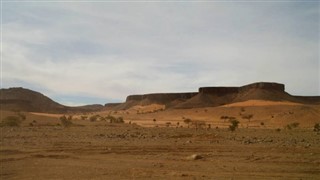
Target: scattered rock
[[194, 157]]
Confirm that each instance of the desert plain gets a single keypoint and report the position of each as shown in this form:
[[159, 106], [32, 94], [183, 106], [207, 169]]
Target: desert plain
[[273, 140]]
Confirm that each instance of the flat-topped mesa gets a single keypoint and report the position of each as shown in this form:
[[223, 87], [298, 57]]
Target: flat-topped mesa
[[229, 90], [263, 85], [218, 90], [161, 97]]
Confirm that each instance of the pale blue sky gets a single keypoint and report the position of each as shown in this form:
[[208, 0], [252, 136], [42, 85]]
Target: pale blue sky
[[99, 52]]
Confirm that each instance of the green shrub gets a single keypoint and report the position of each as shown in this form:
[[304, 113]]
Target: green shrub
[[11, 121]]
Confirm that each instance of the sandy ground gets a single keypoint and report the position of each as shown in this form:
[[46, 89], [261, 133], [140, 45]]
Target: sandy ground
[[109, 151], [262, 148], [261, 103], [270, 115]]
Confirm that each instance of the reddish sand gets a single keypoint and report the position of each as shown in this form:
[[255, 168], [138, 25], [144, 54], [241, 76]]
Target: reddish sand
[[261, 103]]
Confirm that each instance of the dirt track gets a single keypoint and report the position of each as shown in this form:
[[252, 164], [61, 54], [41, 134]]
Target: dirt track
[[125, 151]]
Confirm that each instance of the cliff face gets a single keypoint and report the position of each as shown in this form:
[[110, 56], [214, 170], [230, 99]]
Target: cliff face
[[219, 90], [229, 90], [28, 100], [263, 85], [161, 97], [216, 96]]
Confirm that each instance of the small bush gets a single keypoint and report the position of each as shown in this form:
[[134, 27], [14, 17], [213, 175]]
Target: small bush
[[113, 119], [248, 116], [234, 124], [22, 116], [66, 121], [227, 117], [187, 121], [84, 117], [168, 124], [292, 125], [119, 120], [11, 121], [94, 118], [316, 127], [198, 124], [70, 118]]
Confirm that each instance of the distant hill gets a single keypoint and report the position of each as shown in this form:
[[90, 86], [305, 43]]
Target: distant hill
[[20, 99], [217, 96]]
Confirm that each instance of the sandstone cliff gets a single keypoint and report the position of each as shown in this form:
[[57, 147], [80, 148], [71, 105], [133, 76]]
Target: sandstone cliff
[[216, 96]]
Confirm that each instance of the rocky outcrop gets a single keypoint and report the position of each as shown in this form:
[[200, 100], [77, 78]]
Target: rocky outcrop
[[216, 96], [28, 100], [229, 90], [263, 85], [161, 98], [218, 90]]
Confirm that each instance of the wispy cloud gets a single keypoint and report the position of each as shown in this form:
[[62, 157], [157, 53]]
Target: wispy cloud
[[108, 50]]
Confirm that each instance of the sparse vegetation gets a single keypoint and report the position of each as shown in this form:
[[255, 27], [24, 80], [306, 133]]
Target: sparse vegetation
[[84, 117], [113, 119], [187, 121], [94, 118], [70, 117], [11, 121], [198, 124], [227, 117], [292, 125], [22, 116], [248, 116], [234, 124], [168, 124], [66, 121], [316, 127]]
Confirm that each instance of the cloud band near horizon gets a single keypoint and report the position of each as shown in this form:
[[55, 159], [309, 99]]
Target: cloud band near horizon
[[86, 52]]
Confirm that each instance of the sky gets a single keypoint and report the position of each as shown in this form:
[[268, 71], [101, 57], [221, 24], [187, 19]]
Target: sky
[[97, 52]]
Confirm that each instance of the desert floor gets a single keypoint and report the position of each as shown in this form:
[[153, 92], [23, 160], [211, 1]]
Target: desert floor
[[122, 151], [144, 148]]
